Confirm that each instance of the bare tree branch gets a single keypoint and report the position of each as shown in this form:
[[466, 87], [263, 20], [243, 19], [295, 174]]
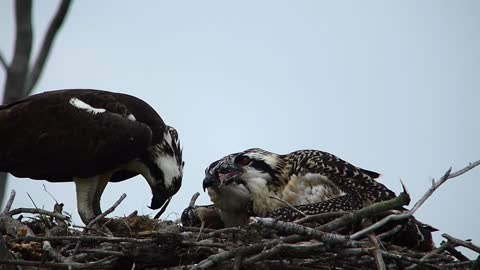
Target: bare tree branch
[[321, 216], [292, 228], [18, 70], [289, 205], [377, 252], [435, 186], [98, 218], [369, 211], [458, 242], [48, 40], [19, 80], [4, 62], [37, 211], [9, 202]]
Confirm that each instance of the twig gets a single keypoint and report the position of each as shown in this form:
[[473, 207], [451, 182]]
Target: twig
[[289, 205], [37, 211], [321, 216], [222, 256], [306, 250], [103, 252], [377, 252], [108, 211], [194, 199], [47, 42], [458, 242], [3, 62], [369, 211], [409, 213], [292, 228], [9, 202], [45, 189], [85, 238], [164, 207], [404, 257], [457, 254], [224, 230], [390, 232], [33, 202], [98, 218], [18, 70], [105, 263]]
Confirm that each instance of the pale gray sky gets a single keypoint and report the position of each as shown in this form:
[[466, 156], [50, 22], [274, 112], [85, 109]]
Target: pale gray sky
[[391, 86]]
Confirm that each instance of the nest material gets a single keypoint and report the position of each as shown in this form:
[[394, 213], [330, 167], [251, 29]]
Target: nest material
[[144, 243], [47, 240]]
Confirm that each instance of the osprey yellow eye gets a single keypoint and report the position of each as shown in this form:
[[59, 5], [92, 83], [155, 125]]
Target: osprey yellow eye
[[244, 160]]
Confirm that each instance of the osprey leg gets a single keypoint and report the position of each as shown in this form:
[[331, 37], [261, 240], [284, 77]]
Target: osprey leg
[[102, 183], [86, 189]]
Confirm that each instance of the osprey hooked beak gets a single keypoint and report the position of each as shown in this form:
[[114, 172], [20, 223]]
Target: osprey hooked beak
[[160, 197], [225, 174]]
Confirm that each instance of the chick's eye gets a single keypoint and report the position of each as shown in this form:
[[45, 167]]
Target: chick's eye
[[244, 160]]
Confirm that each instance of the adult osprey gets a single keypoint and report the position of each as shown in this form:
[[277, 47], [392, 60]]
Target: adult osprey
[[258, 182], [90, 137]]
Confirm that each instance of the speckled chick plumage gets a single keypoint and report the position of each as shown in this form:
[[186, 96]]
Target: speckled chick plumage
[[314, 181]]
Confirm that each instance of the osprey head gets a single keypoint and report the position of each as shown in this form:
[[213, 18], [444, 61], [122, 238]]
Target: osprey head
[[242, 167], [165, 168], [231, 197]]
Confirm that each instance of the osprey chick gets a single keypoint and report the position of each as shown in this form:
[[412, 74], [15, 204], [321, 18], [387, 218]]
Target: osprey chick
[[304, 177], [90, 137]]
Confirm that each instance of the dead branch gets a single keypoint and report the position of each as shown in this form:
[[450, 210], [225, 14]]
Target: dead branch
[[3, 62], [369, 211], [377, 252], [86, 238], [100, 264], [108, 211], [18, 70], [194, 199], [37, 211], [292, 228], [435, 186], [289, 205], [458, 242], [221, 257], [98, 218], [9, 202], [319, 217], [47, 43], [162, 210]]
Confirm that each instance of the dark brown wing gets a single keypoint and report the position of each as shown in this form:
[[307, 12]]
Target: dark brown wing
[[46, 137], [346, 176]]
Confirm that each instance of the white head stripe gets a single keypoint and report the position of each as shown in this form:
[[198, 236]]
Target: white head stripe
[[170, 168], [77, 103]]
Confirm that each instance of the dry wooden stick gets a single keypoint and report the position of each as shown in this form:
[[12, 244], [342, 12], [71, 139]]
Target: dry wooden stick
[[458, 242], [104, 263], [369, 211], [37, 211], [409, 213], [321, 216], [377, 252], [289, 205], [98, 218], [85, 238], [292, 228], [9, 203]]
